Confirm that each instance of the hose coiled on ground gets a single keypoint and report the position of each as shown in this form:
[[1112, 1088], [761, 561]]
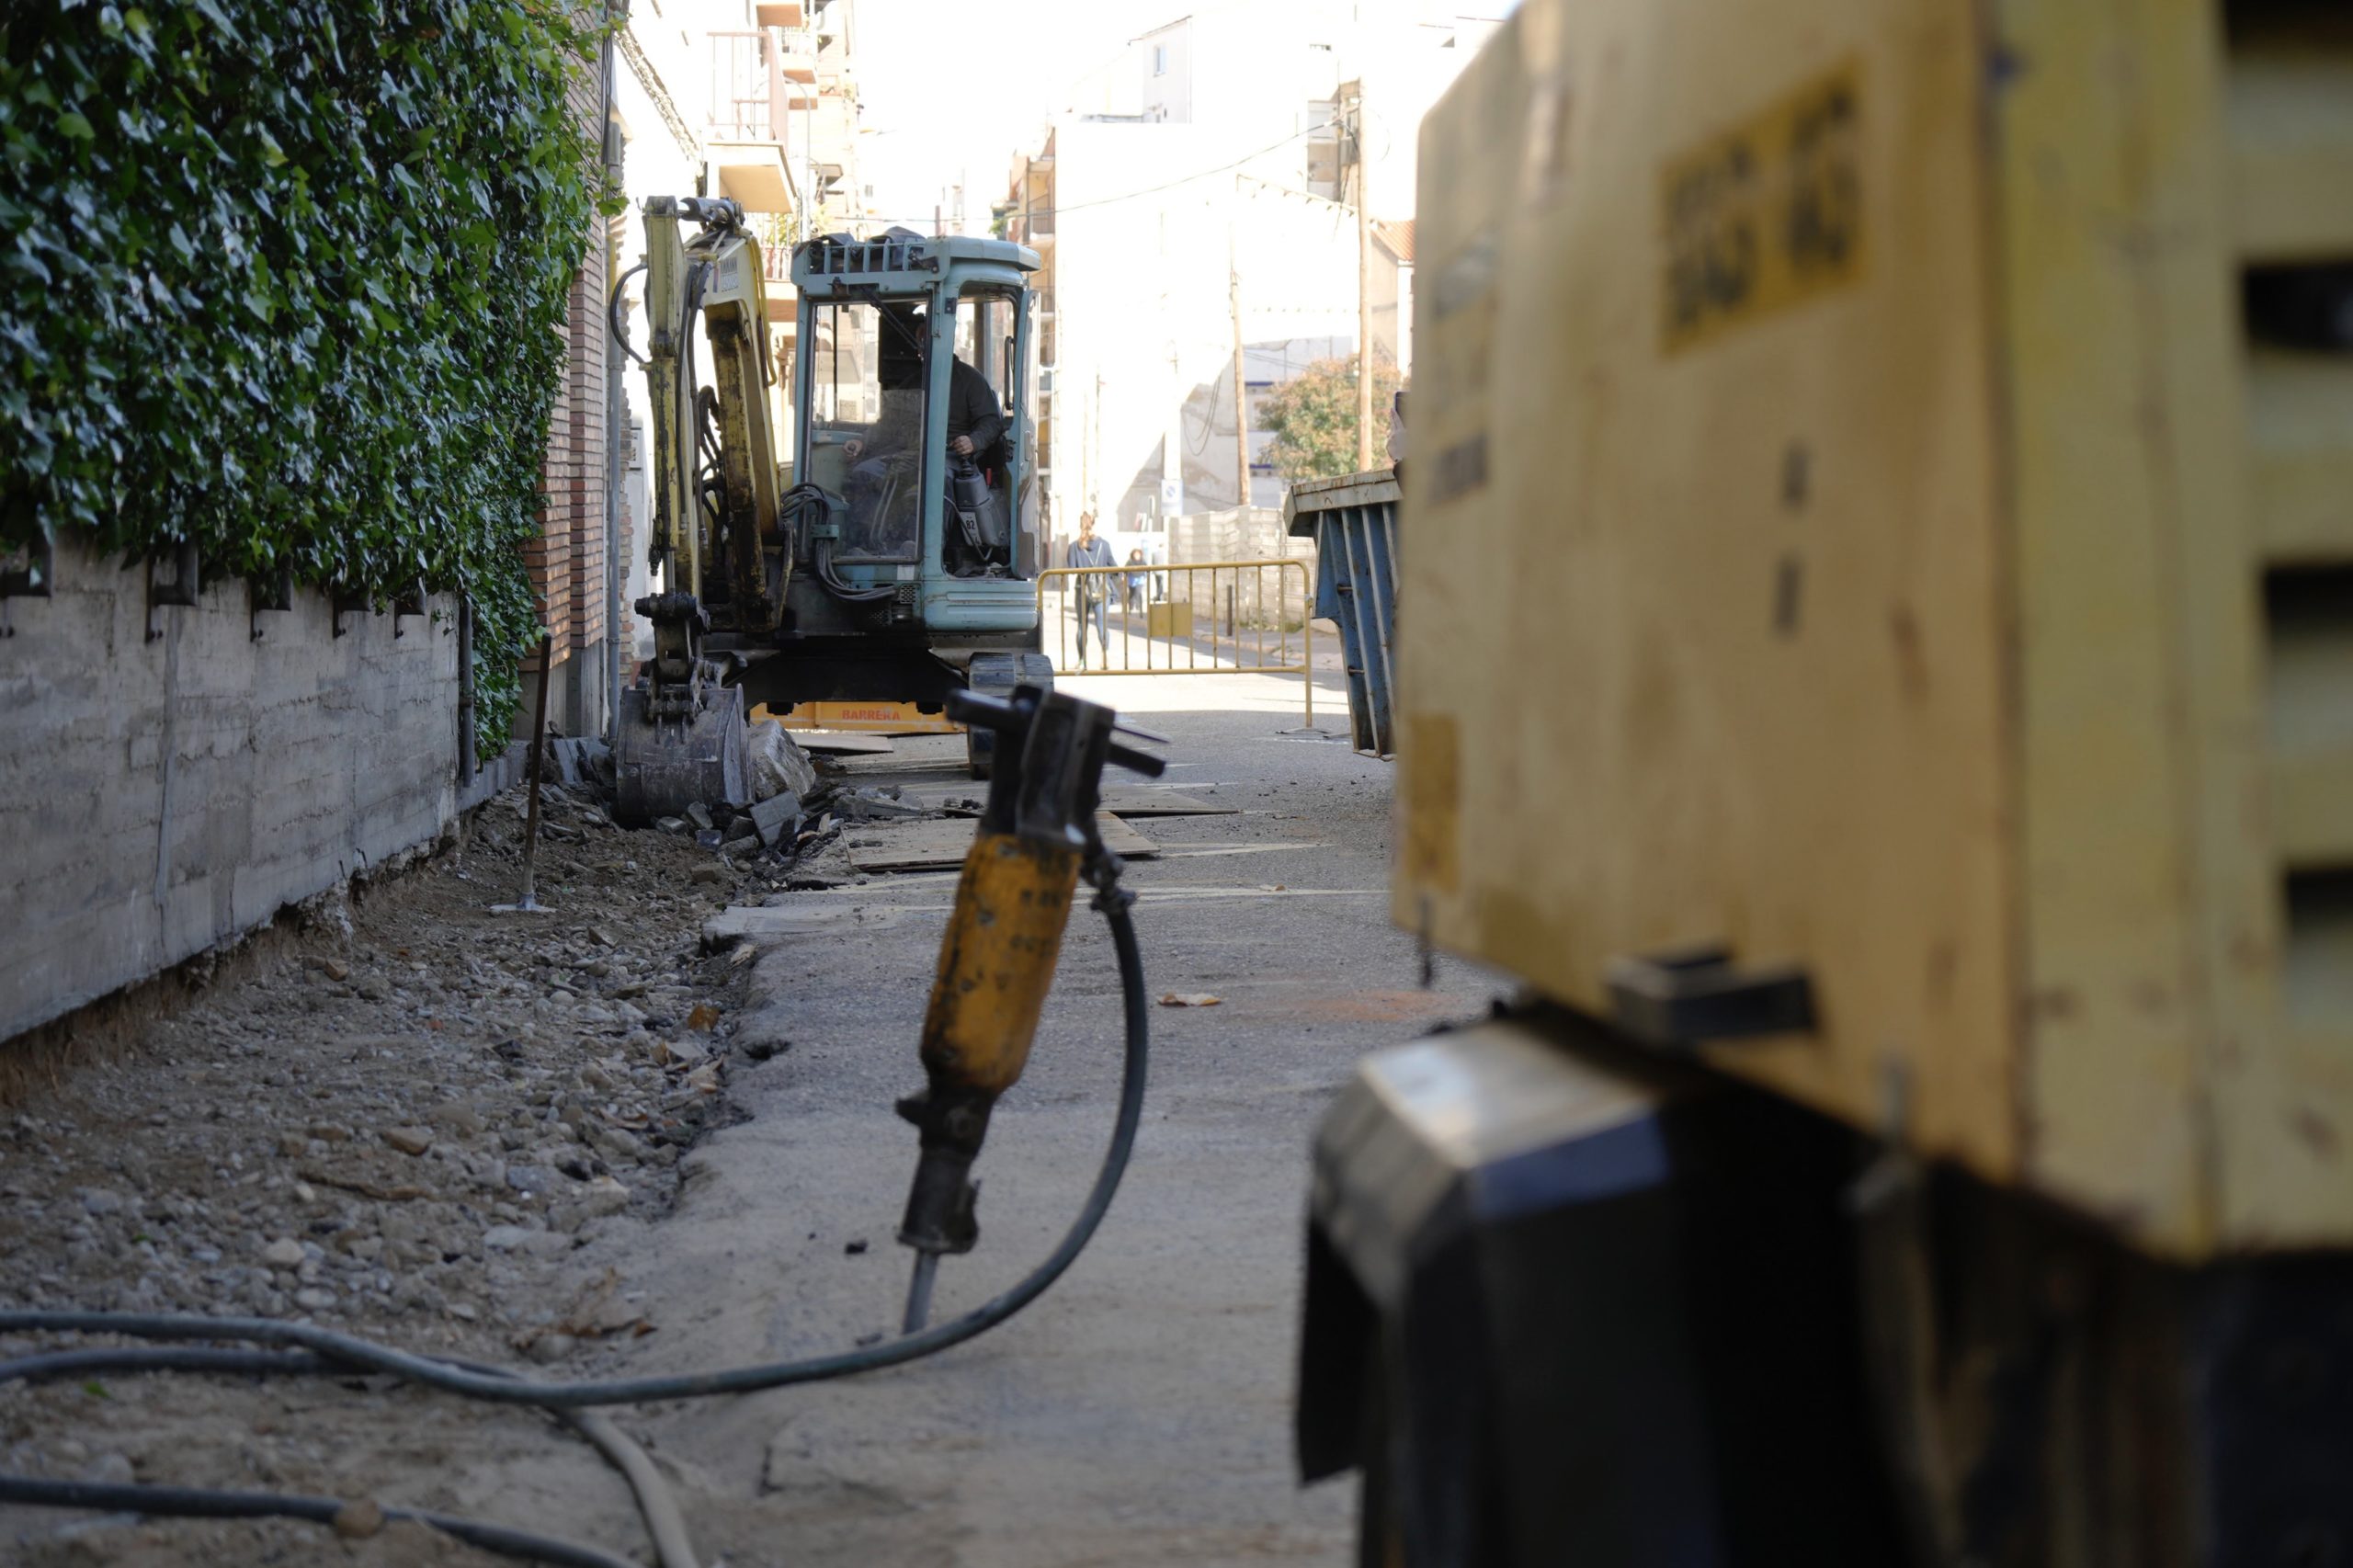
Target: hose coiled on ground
[[334, 1352]]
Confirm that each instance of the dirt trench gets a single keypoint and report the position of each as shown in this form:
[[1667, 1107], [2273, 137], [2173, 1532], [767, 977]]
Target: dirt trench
[[419, 1121]]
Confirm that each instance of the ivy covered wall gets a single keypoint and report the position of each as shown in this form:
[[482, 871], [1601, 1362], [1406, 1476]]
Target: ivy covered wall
[[287, 279]]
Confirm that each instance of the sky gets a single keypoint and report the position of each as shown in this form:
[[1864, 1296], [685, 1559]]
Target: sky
[[960, 111], [959, 108]]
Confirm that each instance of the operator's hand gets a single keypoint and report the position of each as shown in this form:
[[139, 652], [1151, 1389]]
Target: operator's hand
[[851, 447], [962, 446]]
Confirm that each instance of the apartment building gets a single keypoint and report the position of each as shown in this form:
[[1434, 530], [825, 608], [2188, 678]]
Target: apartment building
[[1193, 193]]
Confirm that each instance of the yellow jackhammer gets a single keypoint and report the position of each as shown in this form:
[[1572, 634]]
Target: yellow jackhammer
[[1037, 837]]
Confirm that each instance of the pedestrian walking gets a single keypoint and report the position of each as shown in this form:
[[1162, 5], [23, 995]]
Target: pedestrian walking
[[1136, 580], [1086, 550]]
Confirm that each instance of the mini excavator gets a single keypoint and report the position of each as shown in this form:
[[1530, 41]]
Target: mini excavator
[[893, 558]]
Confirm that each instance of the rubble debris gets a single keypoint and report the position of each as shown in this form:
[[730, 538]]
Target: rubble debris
[[422, 1124], [379, 1145], [881, 805], [383, 1192], [530, 1241], [775, 819], [778, 765], [581, 762], [1190, 999], [410, 1141], [359, 1520]]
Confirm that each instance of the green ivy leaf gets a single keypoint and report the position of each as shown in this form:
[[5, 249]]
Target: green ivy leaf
[[225, 321]]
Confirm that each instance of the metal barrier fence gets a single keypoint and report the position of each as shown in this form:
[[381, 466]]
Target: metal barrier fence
[[1214, 617]]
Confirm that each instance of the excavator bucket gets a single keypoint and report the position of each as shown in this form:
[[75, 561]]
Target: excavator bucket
[[663, 766]]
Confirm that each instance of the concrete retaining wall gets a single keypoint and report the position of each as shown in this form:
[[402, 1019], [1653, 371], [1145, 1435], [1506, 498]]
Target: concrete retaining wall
[[159, 797]]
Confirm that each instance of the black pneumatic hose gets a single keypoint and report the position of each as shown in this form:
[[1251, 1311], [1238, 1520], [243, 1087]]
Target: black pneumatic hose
[[664, 1522], [614, 321], [190, 1501], [351, 1351], [806, 497]]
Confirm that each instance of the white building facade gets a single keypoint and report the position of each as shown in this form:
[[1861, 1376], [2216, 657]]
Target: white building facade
[[1196, 174]]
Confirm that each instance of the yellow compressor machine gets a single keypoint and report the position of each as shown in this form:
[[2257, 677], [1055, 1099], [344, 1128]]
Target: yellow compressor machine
[[1907, 445]]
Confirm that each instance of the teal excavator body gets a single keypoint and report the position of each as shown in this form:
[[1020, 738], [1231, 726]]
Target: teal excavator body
[[893, 559]]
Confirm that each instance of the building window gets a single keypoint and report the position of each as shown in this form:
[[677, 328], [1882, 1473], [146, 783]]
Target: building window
[[1160, 60]]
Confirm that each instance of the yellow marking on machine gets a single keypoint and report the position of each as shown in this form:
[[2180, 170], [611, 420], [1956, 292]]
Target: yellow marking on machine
[[868, 717], [1765, 215], [996, 960]]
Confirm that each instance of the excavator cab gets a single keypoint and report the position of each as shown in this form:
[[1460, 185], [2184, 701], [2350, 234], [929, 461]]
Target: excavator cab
[[893, 559], [910, 346]]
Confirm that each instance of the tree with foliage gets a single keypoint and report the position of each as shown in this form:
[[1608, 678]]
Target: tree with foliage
[[286, 279], [1313, 418]]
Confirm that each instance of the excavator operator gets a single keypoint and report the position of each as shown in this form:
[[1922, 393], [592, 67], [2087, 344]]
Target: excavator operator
[[975, 418], [881, 481]]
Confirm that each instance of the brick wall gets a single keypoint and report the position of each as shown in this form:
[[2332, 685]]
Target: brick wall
[[567, 561]]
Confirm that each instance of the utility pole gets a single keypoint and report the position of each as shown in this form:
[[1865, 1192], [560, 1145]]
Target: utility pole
[[1354, 91], [1241, 394]]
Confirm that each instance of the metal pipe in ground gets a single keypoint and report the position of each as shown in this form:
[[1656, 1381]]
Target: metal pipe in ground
[[529, 903], [466, 763], [918, 1310]]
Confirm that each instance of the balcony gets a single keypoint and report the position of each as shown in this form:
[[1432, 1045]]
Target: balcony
[[749, 120], [784, 299], [746, 87]]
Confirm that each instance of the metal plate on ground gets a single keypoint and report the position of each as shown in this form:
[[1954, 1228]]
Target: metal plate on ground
[[1140, 800], [936, 844], [840, 743], [1127, 800], [741, 922]]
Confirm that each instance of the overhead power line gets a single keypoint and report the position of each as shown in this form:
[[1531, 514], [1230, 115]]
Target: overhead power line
[[1147, 191], [1185, 179]]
